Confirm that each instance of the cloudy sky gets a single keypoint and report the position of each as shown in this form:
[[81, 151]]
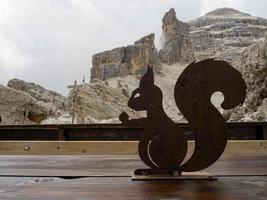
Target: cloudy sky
[[50, 42]]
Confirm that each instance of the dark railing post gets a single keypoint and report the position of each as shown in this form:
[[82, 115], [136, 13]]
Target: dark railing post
[[265, 132], [259, 132], [61, 133]]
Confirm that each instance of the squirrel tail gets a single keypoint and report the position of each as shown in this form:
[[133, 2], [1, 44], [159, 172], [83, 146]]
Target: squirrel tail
[[192, 94]]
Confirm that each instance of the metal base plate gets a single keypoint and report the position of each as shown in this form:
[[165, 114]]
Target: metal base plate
[[148, 174]]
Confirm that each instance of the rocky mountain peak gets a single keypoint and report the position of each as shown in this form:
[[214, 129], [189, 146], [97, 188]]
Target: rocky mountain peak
[[133, 59], [123, 61], [169, 17], [148, 39], [171, 25], [224, 33], [176, 41], [226, 12]]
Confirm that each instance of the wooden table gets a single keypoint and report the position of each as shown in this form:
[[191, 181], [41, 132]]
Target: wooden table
[[34, 177]]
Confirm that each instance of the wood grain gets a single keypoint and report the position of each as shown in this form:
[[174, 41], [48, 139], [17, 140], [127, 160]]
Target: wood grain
[[116, 165], [241, 173], [247, 147], [225, 188]]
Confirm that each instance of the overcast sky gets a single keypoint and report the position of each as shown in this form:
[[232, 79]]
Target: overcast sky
[[50, 42]]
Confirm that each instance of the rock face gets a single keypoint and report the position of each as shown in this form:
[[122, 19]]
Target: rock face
[[253, 66], [99, 102], [103, 101], [40, 93], [177, 46], [28, 103], [123, 61], [224, 33], [17, 107]]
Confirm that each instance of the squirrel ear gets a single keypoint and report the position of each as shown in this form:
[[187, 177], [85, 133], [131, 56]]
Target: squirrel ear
[[148, 78]]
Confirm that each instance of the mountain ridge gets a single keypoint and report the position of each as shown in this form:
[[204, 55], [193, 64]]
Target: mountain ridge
[[223, 33], [224, 36]]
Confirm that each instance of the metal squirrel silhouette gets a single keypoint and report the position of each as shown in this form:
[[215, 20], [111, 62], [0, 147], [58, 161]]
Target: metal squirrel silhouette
[[162, 145]]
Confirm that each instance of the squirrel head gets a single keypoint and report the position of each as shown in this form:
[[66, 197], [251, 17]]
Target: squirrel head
[[147, 96]]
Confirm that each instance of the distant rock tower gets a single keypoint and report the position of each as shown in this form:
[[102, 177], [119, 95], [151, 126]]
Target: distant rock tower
[[177, 46], [123, 61]]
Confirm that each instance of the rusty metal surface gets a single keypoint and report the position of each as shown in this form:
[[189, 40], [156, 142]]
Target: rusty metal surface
[[162, 145]]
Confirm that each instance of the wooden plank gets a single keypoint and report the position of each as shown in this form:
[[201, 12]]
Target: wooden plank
[[246, 147], [226, 188], [115, 165], [68, 148], [243, 147]]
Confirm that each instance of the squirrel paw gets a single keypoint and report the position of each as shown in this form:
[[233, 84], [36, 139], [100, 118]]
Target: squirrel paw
[[124, 117]]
